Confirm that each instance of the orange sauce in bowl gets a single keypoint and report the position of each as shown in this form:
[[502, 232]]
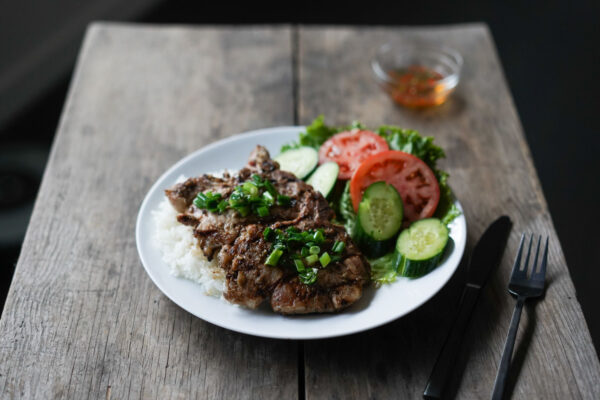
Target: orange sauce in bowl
[[417, 86]]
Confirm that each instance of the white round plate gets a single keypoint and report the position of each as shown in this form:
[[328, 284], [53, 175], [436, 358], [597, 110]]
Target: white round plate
[[376, 307]]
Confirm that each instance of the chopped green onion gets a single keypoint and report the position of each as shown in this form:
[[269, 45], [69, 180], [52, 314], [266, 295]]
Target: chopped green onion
[[274, 257], [244, 211], [318, 236], [283, 200], [246, 199], [222, 206], [209, 201], [235, 200], [262, 211], [268, 198], [250, 188], [301, 248], [267, 233], [313, 258], [338, 247], [325, 259], [270, 188], [299, 265], [308, 276]]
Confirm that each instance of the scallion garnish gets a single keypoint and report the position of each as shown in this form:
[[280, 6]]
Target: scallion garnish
[[267, 233], [274, 257], [283, 200], [301, 249], [318, 236], [270, 188], [308, 276], [250, 188], [209, 201], [262, 211], [222, 206], [311, 259], [268, 198], [299, 265], [325, 259], [245, 199], [243, 210], [338, 247]]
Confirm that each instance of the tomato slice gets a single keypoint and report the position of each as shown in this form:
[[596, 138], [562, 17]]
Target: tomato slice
[[349, 149], [413, 179]]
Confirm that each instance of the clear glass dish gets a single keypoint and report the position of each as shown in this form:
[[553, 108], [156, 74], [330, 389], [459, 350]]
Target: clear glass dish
[[416, 74]]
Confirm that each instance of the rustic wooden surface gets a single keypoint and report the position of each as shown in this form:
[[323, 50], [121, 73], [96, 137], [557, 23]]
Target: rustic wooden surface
[[83, 321], [492, 174], [82, 316]]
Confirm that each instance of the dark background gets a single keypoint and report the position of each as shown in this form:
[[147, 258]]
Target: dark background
[[550, 52]]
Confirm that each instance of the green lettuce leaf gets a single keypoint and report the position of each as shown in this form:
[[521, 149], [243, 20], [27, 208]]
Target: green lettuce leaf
[[382, 269], [347, 210], [409, 141], [446, 210], [317, 133]]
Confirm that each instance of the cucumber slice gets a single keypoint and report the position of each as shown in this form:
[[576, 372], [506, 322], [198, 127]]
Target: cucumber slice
[[420, 248], [324, 178], [300, 161], [380, 214]]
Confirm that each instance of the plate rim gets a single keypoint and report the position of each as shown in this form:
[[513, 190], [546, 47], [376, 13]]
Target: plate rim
[[257, 132]]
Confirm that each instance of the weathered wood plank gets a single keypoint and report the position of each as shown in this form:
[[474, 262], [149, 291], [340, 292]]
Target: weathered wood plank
[[492, 174], [82, 318]]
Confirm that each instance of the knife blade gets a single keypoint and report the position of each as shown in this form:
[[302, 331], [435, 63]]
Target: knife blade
[[485, 258]]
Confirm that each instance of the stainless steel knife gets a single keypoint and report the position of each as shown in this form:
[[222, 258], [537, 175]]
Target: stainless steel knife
[[486, 257]]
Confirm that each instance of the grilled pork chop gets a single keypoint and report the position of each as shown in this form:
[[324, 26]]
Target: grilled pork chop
[[241, 248]]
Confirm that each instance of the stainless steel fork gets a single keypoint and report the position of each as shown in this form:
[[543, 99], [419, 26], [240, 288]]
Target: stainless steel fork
[[523, 287]]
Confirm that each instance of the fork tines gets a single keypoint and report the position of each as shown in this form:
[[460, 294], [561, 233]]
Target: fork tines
[[538, 272]]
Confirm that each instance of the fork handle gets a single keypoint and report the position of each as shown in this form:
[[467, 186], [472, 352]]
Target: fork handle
[[500, 382]]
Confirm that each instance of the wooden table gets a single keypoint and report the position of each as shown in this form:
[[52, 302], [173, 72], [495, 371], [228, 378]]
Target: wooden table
[[83, 320]]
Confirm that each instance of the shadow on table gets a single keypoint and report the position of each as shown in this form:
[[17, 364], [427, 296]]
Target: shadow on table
[[402, 352], [397, 359], [452, 108], [521, 347]]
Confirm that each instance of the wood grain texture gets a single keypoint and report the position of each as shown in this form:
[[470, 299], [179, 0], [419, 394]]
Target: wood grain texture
[[82, 319], [492, 174]]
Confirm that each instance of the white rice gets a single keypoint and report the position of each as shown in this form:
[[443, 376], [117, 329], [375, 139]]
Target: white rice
[[181, 253]]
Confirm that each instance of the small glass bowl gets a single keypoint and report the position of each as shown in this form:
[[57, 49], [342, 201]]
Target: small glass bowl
[[417, 75]]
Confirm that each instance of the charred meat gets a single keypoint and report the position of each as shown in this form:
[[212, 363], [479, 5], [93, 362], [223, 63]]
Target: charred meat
[[247, 237]]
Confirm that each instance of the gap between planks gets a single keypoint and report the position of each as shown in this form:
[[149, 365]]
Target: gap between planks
[[295, 59]]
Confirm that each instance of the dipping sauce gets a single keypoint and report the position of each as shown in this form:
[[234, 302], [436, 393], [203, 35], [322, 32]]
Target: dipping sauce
[[417, 86]]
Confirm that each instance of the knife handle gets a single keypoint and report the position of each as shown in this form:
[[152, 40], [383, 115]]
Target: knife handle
[[445, 362]]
